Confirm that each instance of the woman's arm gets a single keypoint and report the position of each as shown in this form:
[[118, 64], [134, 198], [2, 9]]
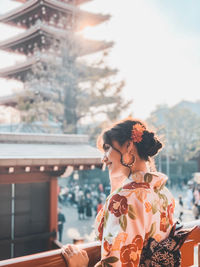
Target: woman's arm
[[124, 230]]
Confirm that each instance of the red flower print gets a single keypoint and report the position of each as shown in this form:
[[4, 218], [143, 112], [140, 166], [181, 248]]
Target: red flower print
[[100, 229], [107, 247], [130, 254], [135, 185], [138, 241], [118, 205], [170, 211], [163, 222]]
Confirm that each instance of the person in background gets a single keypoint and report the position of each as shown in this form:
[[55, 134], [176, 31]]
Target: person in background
[[181, 208], [88, 206], [100, 187], [139, 208], [196, 209], [81, 207], [189, 195], [61, 221]]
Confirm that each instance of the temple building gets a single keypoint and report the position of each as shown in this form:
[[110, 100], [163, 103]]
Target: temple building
[[45, 22], [29, 167], [31, 163]]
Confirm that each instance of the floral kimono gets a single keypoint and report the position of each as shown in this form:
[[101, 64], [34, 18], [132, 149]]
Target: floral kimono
[[142, 208]]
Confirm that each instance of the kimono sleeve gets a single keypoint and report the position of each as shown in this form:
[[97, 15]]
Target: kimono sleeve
[[124, 229]]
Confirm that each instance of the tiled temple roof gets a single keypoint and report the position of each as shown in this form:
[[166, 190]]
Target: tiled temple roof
[[46, 149]]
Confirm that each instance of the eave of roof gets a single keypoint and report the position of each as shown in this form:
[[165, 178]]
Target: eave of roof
[[20, 67], [31, 33], [27, 35], [52, 154], [12, 71], [34, 149], [62, 7], [76, 2], [52, 32]]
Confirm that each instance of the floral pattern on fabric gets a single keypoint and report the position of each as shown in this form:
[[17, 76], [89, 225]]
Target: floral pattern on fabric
[[118, 205], [130, 254], [163, 222], [107, 247], [141, 209], [100, 229], [135, 185], [170, 211]]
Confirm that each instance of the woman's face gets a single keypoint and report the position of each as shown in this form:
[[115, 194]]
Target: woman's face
[[112, 158]]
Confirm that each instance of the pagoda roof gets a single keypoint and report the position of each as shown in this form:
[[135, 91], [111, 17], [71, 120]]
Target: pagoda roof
[[21, 15], [74, 2], [8, 100], [24, 42], [20, 71]]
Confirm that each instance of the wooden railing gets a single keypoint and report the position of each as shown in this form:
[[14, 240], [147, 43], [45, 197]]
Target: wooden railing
[[54, 258], [187, 250]]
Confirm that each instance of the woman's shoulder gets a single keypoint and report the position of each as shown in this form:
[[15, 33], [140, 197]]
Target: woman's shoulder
[[140, 183]]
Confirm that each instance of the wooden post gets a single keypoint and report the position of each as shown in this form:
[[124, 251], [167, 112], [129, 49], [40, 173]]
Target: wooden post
[[53, 205], [187, 253]]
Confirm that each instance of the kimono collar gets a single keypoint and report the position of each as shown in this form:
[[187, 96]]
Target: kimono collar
[[156, 180]]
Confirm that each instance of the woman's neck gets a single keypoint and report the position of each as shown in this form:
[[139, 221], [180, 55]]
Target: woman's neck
[[116, 180], [140, 166]]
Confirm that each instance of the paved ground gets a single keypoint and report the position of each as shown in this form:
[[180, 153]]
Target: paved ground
[[75, 228]]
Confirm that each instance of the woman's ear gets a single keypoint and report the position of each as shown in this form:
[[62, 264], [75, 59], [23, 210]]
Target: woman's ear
[[130, 148]]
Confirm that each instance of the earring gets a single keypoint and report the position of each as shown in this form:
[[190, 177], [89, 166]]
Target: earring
[[127, 164], [104, 158]]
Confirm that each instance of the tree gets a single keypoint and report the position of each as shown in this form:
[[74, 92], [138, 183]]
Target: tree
[[181, 130], [67, 90]]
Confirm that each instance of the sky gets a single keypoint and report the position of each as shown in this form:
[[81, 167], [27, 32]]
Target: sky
[[157, 49]]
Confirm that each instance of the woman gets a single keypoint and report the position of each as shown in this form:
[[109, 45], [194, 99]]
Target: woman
[[139, 207]]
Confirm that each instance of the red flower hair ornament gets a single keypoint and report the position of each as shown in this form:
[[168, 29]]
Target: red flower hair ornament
[[137, 132]]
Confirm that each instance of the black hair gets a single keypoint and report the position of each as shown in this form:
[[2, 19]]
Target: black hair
[[122, 132]]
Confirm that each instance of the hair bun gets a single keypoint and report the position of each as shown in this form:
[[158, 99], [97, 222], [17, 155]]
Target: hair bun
[[154, 145], [150, 144], [147, 143]]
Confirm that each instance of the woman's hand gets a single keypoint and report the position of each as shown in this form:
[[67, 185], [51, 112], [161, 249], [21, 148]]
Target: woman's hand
[[74, 256]]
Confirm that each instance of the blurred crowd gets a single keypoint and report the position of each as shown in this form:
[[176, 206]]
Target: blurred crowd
[[193, 198], [190, 200], [88, 199]]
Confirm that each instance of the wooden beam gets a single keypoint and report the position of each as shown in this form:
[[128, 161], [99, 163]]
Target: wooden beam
[[26, 177], [53, 205], [23, 168], [29, 174]]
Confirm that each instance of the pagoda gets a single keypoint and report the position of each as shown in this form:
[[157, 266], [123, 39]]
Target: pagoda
[[42, 21]]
